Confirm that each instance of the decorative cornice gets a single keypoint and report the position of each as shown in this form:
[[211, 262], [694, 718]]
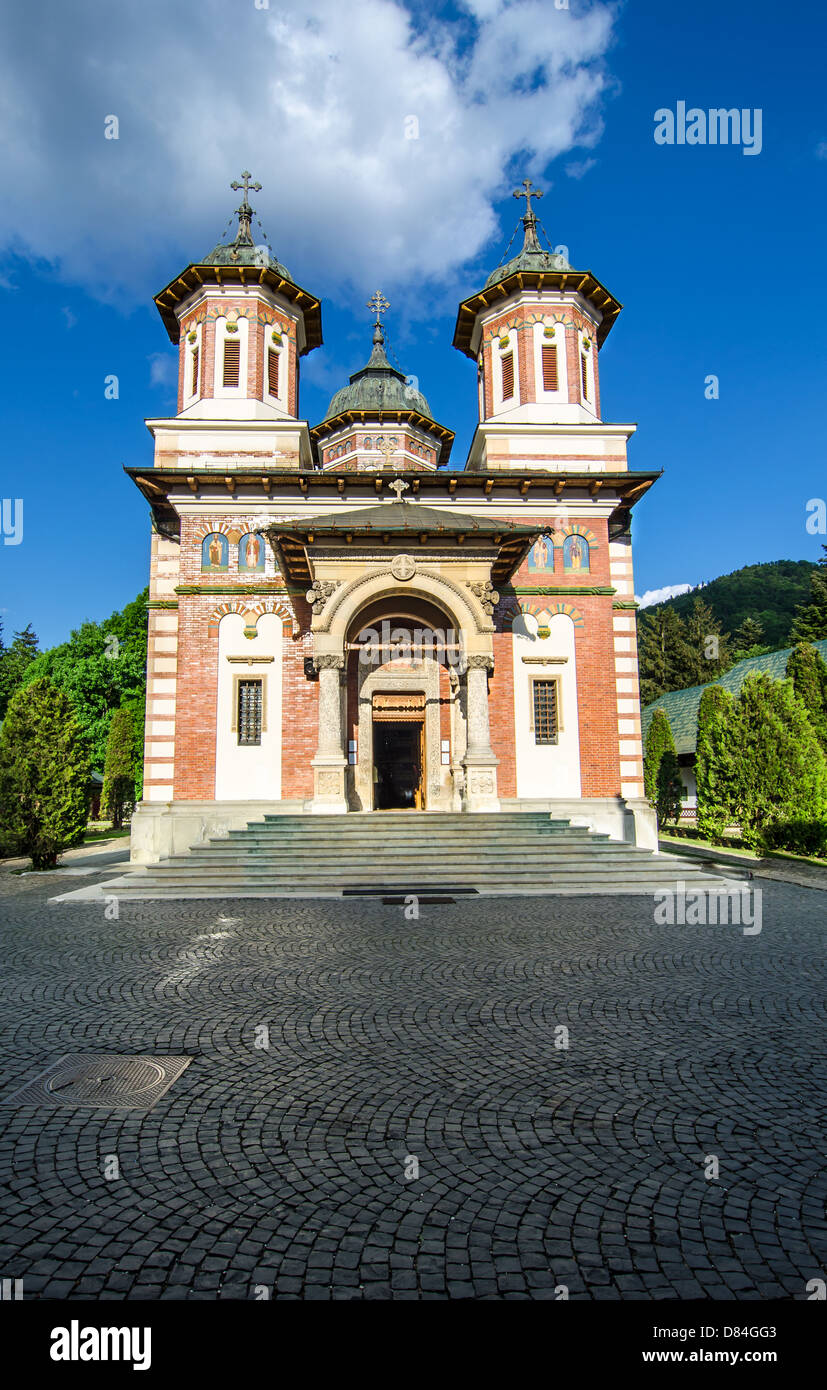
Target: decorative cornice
[[625, 603], [563, 590], [230, 590], [163, 603]]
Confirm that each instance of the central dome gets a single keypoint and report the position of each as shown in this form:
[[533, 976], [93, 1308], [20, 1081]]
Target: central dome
[[378, 387]]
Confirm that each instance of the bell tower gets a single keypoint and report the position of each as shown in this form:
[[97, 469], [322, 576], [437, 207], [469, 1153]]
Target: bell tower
[[535, 331], [241, 325]]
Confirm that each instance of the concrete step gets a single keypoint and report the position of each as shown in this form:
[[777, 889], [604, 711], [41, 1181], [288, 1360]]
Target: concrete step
[[402, 852]]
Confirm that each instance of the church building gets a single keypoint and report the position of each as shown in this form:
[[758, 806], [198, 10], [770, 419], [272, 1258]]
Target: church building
[[342, 618]]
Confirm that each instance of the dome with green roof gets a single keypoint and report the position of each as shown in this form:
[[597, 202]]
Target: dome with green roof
[[377, 387], [242, 250], [531, 256]]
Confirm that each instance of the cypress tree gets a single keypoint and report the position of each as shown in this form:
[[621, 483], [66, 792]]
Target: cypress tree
[[659, 740], [669, 788], [782, 771], [716, 762], [808, 674], [44, 774], [119, 768]]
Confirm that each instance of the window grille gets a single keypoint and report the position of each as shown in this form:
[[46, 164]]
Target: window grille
[[249, 711], [546, 724]]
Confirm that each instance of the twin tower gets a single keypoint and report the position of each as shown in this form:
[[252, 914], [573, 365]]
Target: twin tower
[[242, 325]]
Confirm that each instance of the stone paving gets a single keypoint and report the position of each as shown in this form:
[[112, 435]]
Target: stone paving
[[433, 1046]]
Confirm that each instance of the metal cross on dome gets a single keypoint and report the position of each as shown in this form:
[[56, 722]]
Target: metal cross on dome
[[378, 304], [246, 185], [398, 486], [528, 193]]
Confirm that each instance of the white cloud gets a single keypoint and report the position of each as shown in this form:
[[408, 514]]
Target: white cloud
[[578, 168], [315, 100], [163, 368], [660, 595], [71, 319]]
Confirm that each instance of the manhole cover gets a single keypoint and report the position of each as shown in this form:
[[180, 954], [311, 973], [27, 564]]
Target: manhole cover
[[119, 1083]]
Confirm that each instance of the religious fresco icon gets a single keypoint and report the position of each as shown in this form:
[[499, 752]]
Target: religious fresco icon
[[215, 552], [251, 553], [541, 556], [575, 553]]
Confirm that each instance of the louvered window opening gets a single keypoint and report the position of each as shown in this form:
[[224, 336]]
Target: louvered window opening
[[545, 712], [249, 712], [549, 368], [272, 372], [508, 375], [232, 363], [195, 356]]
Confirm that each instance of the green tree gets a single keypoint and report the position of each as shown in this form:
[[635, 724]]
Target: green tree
[[659, 740], [808, 674], [782, 771], [669, 788], [119, 769], [102, 667], [707, 654], [663, 653], [44, 774], [15, 663], [810, 623], [748, 639], [716, 763]]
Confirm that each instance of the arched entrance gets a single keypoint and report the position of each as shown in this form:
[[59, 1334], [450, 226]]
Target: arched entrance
[[427, 635], [405, 715]]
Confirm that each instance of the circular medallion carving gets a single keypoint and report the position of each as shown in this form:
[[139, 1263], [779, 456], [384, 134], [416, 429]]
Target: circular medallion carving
[[403, 567]]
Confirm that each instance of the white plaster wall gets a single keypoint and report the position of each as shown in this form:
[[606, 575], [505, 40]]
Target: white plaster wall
[[546, 770], [242, 772]]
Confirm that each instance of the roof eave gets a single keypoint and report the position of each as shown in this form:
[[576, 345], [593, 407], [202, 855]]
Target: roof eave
[[579, 281], [198, 274]]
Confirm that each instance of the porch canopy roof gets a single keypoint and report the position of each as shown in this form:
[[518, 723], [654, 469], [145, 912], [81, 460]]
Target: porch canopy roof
[[392, 523]]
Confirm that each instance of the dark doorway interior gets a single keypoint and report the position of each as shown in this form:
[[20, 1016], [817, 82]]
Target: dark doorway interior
[[397, 764]]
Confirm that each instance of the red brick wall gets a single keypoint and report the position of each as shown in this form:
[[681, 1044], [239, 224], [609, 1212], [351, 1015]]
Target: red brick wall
[[501, 713]]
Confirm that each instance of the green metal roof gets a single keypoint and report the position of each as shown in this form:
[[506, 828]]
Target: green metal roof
[[681, 706], [377, 387], [405, 518], [531, 257]]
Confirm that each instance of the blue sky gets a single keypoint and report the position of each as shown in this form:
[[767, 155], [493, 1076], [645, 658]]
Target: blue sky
[[716, 255]]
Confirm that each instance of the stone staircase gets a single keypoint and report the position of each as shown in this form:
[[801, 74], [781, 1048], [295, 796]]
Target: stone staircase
[[375, 853]]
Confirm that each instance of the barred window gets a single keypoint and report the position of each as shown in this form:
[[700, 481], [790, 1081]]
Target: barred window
[[195, 357], [545, 721], [549, 367], [232, 362], [584, 375], [508, 375], [272, 372], [249, 711]]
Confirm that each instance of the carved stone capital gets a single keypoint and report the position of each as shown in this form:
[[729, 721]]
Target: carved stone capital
[[319, 592], [480, 663], [487, 595], [329, 663]]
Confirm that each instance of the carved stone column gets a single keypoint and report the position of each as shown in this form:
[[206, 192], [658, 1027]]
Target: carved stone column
[[330, 762], [479, 761]]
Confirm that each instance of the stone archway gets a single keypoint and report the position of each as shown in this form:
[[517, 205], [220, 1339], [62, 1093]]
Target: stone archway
[[471, 782]]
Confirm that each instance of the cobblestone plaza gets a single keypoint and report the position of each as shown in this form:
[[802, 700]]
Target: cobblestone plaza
[[558, 1072]]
